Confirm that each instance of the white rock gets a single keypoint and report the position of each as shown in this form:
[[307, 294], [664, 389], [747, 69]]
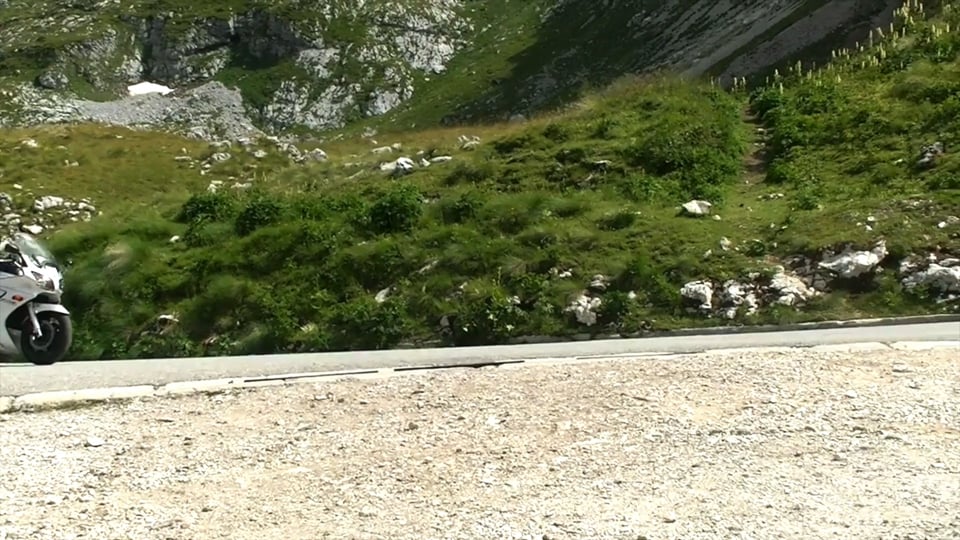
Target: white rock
[[143, 88], [401, 165], [790, 290], [47, 202], [32, 229], [599, 282], [697, 207], [95, 442], [951, 220], [317, 155], [382, 296], [936, 276], [440, 159], [734, 295], [382, 150], [699, 291], [584, 309], [850, 264]]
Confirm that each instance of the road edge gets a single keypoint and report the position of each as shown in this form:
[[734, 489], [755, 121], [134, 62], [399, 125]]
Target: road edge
[[66, 399], [750, 329]]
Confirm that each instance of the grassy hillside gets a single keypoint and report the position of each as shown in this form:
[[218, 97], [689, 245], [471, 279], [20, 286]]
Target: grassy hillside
[[498, 241]]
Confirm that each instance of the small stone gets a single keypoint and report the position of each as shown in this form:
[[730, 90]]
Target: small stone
[[901, 368], [851, 394], [95, 442]]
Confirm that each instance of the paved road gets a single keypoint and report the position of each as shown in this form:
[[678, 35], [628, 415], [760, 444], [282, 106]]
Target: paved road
[[18, 379]]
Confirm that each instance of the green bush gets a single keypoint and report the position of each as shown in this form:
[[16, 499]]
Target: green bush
[[211, 206], [366, 325], [618, 220], [398, 210], [470, 173], [461, 209], [486, 317], [259, 212]]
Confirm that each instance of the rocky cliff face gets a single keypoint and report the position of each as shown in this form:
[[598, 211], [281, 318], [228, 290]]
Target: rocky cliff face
[[588, 44], [321, 64]]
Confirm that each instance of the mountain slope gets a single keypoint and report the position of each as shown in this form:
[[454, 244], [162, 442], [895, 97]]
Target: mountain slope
[[833, 194], [305, 64]]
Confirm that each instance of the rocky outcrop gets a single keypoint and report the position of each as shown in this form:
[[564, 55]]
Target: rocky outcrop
[[23, 211], [936, 274], [310, 64]]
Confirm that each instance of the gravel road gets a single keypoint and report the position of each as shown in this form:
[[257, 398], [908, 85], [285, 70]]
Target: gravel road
[[729, 445]]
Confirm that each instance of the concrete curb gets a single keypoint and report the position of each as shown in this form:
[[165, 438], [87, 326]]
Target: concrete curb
[[751, 329], [42, 401]]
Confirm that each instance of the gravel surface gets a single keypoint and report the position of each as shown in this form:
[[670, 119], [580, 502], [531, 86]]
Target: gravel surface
[[733, 445], [210, 111]]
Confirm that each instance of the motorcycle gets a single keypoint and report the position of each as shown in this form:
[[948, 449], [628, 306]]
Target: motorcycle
[[35, 324]]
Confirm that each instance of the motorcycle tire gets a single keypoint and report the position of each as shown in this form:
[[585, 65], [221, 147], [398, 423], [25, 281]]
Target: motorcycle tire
[[58, 345]]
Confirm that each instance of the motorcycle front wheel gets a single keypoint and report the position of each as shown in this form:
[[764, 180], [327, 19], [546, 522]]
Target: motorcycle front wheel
[[56, 334]]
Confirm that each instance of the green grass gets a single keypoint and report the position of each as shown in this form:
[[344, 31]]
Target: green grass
[[295, 263]]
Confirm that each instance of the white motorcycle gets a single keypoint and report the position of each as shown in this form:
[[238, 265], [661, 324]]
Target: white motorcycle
[[35, 324]]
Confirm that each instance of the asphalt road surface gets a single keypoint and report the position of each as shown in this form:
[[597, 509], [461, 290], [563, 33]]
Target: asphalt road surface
[[19, 379]]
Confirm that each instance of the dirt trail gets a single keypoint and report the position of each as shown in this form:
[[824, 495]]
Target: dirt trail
[[755, 161], [775, 445]]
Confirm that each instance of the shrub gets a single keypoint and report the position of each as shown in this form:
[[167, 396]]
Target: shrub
[[616, 309], [617, 220], [765, 100], [365, 324], [462, 208], [570, 156], [818, 99], [486, 317], [510, 144], [469, 173], [605, 128], [557, 132], [398, 210], [212, 206], [651, 284], [259, 212]]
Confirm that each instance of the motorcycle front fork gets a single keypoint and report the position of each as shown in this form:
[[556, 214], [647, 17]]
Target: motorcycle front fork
[[32, 313]]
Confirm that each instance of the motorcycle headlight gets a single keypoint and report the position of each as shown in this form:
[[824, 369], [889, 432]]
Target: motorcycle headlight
[[44, 282]]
